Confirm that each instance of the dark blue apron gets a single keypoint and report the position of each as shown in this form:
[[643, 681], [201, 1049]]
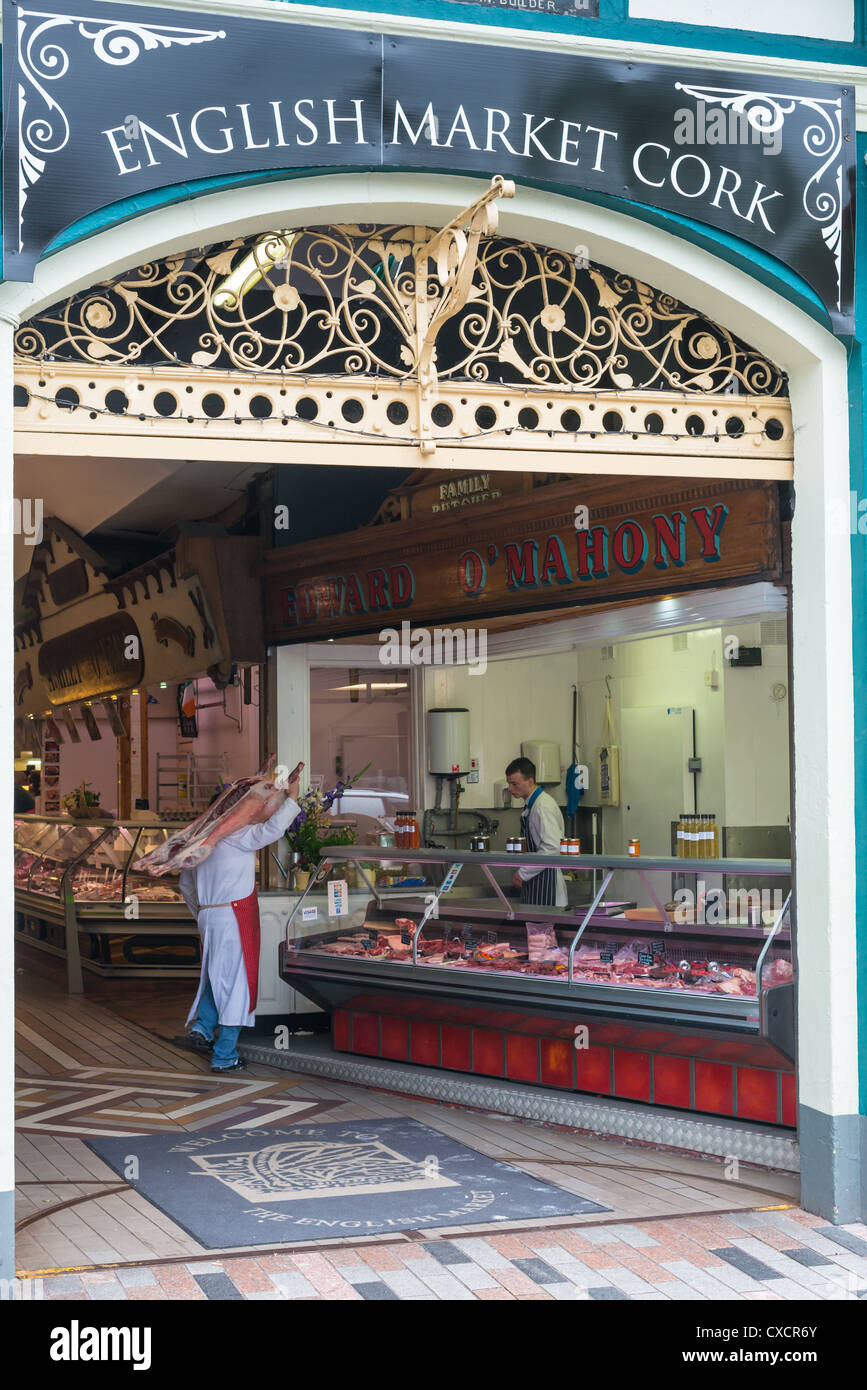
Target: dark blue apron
[[542, 887]]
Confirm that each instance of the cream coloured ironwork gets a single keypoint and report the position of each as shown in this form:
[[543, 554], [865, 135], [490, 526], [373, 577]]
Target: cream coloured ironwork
[[403, 339]]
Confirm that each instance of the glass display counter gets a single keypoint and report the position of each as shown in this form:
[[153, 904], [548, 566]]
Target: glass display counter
[[74, 883], [707, 976]]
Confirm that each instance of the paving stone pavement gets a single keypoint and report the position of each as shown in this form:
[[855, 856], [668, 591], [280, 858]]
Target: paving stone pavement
[[748, 1256]]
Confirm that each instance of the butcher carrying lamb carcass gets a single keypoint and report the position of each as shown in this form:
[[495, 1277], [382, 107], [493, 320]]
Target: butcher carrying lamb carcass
[[249, 801], [216, 855]]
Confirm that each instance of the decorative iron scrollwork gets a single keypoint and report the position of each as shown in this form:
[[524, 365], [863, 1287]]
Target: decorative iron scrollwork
[[346, 301]]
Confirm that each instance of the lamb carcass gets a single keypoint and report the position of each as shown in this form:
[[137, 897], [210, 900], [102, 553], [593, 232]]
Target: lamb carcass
[[246, 802]]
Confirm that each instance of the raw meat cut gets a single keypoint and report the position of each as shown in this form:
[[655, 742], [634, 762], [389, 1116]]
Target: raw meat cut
[[246, 802], [542, 958], [541, 937], [779, 972]]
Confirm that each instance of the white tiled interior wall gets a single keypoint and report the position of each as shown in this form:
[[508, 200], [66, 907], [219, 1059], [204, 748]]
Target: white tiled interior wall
[[833, 19], [757, 735], [742, 731], [513, 701]]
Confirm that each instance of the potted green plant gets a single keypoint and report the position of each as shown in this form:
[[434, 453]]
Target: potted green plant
[[82, 804]]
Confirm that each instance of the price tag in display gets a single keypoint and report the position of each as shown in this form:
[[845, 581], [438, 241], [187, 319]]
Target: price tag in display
[[606, 957], [309, 914], [338, 898], [369, 944], [658, 948], [449, 880], [645, 957], [492, 938], [405, 939]]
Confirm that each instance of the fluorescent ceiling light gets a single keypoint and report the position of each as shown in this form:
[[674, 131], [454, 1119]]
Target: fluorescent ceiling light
[[374, 685]]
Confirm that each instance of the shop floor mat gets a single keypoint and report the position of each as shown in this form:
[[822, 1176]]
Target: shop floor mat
[[263, 1186]]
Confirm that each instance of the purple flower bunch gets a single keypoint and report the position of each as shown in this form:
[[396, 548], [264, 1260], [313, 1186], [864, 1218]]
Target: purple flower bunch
[[311, 831]]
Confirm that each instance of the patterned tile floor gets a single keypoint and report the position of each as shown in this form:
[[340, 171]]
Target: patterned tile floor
[[760, 1255], [98, 1063]]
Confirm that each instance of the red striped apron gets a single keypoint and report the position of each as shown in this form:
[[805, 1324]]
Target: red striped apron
[[246, 912]]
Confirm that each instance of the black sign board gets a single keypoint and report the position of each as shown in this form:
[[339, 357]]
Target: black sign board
[[187, 722], [577, 9], [188, 95], [645, 957], [606, 957]]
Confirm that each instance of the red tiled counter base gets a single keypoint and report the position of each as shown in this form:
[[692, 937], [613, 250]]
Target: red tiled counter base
[[679, 1071]]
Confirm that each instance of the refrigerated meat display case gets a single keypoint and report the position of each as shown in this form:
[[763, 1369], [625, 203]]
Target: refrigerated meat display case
[[672, 1004], [76, 895]]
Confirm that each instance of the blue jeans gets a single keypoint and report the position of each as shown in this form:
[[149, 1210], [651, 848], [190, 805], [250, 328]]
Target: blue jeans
[[206, 1020]]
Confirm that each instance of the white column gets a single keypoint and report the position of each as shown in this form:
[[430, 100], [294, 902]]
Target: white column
[[293, 708], [824, 796], [8, 324]]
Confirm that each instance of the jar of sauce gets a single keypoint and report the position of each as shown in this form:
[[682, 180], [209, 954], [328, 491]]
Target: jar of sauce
[[634, 847]]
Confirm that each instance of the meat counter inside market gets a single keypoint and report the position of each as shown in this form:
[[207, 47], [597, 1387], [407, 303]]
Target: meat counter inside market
[[554, 765]]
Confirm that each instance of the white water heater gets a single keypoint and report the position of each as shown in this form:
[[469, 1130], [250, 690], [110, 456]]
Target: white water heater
[[546, 756], [448, 742]]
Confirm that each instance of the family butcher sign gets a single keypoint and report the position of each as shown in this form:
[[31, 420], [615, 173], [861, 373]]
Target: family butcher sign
[[106, 102], [557, 551]]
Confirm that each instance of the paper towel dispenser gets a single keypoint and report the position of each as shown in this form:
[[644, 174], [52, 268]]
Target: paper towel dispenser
[[546, 756]]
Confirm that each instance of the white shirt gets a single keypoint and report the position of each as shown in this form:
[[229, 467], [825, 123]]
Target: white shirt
[[228, 874], [545, 825]]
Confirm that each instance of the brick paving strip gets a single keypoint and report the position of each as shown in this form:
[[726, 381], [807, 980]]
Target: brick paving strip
[[445, 1233], [782, 1254]]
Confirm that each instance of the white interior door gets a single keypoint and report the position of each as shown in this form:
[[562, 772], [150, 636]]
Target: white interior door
[[655, 781]]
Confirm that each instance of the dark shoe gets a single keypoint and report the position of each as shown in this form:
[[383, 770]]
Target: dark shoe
[[193, 1042], [239, 1065]]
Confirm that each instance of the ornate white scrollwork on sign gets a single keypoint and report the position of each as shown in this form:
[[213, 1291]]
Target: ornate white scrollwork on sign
[[766, 113], [44, 59]]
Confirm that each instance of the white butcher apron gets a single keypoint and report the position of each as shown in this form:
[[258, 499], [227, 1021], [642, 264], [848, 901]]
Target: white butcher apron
[[228, 876]]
